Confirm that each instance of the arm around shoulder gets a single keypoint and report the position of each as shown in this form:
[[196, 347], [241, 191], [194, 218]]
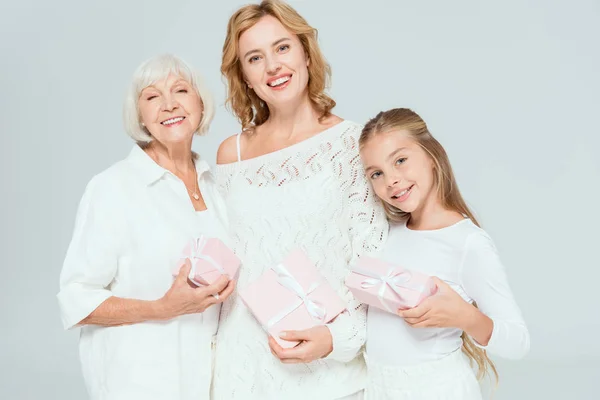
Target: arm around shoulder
[[367, 231]]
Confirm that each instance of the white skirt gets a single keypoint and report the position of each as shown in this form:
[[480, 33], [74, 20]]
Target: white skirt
[[450, 378]]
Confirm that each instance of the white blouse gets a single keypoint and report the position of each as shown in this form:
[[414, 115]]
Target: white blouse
[[464, 256], [131, 226], [312, 195]]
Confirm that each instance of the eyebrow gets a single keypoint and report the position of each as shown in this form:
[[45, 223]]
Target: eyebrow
[[394, 153], [180, 81], [177, 82], [275, 43], [388, 158]]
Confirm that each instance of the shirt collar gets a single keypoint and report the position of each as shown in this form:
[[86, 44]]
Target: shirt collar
[[150, 171]]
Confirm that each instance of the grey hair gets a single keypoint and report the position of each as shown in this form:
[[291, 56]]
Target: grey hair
[[151, 71]]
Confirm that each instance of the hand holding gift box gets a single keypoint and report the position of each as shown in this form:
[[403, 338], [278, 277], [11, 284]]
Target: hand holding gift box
[[292, 295], [388, 286], [209, 258]]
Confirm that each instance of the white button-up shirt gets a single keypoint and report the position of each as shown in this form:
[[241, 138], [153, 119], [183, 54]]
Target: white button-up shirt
[[131, 226]]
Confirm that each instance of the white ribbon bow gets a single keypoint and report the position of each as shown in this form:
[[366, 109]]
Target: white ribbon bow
[[394, 279], [287, 280], [196, 247]]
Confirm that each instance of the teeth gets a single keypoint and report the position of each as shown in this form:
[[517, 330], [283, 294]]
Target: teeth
[[402, 193], [172, 121], [279, 81]]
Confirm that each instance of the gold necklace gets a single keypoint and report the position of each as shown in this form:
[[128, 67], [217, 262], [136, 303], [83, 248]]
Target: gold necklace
[[194, 194]]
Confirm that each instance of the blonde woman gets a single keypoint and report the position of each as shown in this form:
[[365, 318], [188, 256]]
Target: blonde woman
[[145, 336], [433, 231], [292, 178]]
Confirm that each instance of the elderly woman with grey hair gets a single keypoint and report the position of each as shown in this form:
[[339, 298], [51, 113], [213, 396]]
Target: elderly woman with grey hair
[[146, 335]]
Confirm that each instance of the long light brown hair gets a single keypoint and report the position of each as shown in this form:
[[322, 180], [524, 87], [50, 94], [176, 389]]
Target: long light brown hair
[[250, 110], [405, 120]]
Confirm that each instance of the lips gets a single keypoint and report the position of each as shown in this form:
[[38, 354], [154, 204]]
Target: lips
[[172, 121], [402, 194], [279, 81]]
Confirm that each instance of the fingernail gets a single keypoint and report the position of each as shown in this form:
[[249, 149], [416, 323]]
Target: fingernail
[[283, 335]]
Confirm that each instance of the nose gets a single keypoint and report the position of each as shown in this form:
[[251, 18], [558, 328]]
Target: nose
[[392, 180], [169, 103], [273, 65]]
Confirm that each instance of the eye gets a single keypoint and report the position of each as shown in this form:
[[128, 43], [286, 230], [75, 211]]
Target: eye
[[253, 59], [152, 96], [400, 160], [283, 47], [376, 174], [182, 91]]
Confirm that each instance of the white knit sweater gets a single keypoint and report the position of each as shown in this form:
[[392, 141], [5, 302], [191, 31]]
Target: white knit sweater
[[313, 195]]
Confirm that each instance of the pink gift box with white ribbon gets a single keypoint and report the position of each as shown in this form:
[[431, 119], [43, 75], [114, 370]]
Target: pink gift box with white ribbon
[[387, 286], [210, 258], [292, 295]]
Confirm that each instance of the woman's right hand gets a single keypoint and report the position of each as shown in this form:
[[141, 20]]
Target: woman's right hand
[[185, 298]]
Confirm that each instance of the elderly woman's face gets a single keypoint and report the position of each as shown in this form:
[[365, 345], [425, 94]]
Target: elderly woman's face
[[171, 110], [274, 62]]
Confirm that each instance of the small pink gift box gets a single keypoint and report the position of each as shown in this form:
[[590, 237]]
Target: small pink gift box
[[210, 258], [388, 286], [292, 295]]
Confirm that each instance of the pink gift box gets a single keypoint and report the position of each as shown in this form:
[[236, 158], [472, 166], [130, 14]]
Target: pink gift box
[[388, 286], [210, 258], [292, 295]]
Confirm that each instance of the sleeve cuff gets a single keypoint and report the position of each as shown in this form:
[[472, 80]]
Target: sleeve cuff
[[505, 344], [345, 345], [77, 301], [490, 342]]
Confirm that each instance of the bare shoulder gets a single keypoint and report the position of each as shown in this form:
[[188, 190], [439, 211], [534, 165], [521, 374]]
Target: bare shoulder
[[332, 120], [227, 152]]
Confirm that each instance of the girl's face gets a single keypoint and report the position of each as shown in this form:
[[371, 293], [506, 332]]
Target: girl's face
[[400, 171], [274, 62]]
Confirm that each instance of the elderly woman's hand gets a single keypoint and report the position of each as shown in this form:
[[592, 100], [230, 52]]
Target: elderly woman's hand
[[183, 298]]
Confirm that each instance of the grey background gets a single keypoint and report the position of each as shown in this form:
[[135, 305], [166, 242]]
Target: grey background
[[511, 88]]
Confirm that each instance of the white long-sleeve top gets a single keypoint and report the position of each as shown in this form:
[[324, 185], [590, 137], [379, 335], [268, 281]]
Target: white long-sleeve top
[[132, 224], [464, 256], [311, 195]]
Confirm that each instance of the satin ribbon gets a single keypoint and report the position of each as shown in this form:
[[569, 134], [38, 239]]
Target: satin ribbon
[[196, 248], [394, 279], [287, 280]]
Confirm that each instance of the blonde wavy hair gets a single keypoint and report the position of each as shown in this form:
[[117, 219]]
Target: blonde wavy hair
[[447, 190], [250, 110]]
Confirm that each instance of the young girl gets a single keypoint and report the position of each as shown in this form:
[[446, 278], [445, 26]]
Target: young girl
[[418, 356]]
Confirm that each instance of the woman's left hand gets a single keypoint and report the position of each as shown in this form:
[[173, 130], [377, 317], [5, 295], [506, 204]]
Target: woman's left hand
[[315, 343], [444, 309]]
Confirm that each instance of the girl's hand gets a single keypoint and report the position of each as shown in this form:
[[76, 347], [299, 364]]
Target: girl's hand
[[444, 309]]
